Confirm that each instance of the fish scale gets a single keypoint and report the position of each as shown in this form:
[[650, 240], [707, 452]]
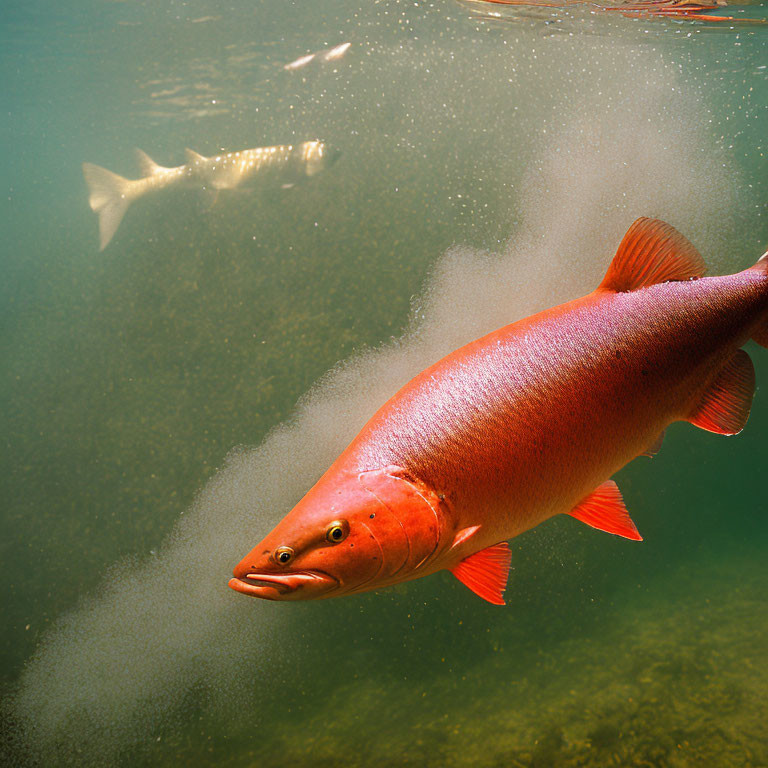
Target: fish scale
[[525, 423]]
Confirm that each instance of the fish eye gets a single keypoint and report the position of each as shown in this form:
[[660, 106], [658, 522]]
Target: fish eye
[[337, 531], [284, 555]]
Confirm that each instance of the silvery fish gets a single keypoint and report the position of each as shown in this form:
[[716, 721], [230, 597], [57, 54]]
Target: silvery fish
[[286, 164], [327, 54]]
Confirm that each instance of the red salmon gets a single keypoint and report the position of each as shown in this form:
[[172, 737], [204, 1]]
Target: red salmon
[[525, 423]]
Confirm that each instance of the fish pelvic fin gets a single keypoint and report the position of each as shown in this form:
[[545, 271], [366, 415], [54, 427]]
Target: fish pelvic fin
[[652, 252], [109, 198], [486, 572], [604, 509], [725, 407]]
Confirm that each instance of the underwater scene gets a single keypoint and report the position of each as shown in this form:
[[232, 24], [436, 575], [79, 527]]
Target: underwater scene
[[331, 196]]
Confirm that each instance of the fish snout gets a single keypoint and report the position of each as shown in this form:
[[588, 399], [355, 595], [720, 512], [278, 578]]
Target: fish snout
[[295, 585]]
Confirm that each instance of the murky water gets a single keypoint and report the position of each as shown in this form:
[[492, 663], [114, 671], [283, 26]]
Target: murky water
[[166, 401]]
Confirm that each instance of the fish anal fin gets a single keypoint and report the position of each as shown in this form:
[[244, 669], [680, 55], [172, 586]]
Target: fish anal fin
[[604, 509], [652, 252], [194, 157], [725, 406], [654, 447], [485, 572]]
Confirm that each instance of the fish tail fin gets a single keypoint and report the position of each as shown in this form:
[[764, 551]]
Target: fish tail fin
[[761, 336], [109, 197]]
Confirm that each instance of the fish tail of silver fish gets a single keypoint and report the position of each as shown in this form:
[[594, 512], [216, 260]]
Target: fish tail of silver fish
[[109, 197]]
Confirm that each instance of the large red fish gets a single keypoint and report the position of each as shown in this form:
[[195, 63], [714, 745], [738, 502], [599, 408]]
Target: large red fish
[[525, 423]]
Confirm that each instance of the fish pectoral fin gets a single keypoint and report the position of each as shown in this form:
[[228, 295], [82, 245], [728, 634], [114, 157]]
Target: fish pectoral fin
[[654, 447], [464, 534], [726, 404], [652, 252], [604, 509], [486, 572]]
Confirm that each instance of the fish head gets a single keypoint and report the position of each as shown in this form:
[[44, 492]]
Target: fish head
[[352, 532], [317, 155]]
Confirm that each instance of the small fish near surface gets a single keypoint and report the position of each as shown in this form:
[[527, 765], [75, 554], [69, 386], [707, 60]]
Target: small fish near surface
[[324, 56], [528, 422], [285, 164]]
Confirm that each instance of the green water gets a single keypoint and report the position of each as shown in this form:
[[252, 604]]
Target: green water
[[166, 401]]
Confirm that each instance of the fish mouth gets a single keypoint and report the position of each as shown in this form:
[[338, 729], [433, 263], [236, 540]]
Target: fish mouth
[[298, 585]]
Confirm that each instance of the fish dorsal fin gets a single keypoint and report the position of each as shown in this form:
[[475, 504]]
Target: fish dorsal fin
[[486, 572], [652, 252], [726, 403], [147, 165], [604, 509], [194, 157]]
